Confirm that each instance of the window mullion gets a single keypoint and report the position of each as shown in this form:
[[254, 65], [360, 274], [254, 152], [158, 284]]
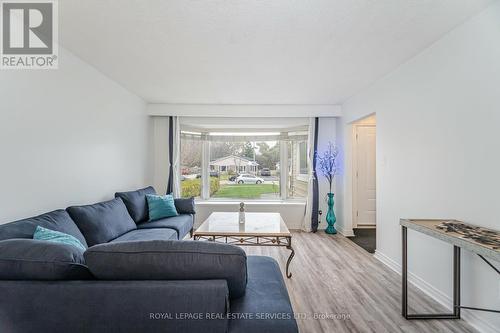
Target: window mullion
[[283, 169], [205, 173]]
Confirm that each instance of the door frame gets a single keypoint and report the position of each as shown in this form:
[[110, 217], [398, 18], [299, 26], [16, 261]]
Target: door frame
[[355, 173]]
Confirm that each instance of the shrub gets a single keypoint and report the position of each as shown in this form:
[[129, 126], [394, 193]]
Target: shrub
[[214, 185], [192, 187]]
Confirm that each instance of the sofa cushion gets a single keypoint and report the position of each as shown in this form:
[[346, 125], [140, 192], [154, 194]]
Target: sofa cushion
[[170, 260], [103, 221], [161, 206], [182, 224], [58, 220], [185, 205], [266, 294], [56, 237], [29, 259], [147, 234], [136, 203]]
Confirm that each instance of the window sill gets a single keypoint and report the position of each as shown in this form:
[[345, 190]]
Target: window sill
[[249, 202]]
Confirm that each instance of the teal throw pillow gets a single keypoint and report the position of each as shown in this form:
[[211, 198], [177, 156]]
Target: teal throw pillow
[[161, 206], [57, 237]]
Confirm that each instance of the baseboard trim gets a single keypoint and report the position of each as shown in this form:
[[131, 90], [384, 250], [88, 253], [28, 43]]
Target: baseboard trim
[[469, 316], [348, 232]]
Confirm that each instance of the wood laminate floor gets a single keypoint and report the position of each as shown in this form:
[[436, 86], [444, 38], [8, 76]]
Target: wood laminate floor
[[352, 291]]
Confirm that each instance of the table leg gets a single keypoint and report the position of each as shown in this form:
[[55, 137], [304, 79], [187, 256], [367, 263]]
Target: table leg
[[456, 285], [289, 247]]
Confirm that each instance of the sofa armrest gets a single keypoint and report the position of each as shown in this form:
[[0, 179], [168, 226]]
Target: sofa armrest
[[170, 260], [113, 306]]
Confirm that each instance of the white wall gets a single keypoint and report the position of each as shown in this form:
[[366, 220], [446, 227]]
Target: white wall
[[67, 136], [438, 125]]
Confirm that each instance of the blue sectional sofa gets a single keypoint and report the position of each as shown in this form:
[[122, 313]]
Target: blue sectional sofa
[[134, 275]]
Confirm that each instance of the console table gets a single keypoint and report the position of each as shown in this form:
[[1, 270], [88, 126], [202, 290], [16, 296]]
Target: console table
[[481, 241]]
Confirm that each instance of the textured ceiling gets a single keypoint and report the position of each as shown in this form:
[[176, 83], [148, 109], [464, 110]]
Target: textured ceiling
[[253, 52]]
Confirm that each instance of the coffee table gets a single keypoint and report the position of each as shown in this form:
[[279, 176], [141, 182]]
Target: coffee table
[[259, 229]]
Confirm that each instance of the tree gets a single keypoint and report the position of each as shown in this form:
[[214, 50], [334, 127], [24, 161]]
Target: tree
[[248, 150], [190, 153], [268, 157], [223, 149]]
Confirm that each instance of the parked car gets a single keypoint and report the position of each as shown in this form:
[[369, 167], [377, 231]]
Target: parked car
[[214, 174], [232, 178], [248, 179], [265, 172]]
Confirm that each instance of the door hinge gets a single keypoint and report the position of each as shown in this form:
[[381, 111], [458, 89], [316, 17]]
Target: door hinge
[[356, 136], [357, 174], [357, 213]]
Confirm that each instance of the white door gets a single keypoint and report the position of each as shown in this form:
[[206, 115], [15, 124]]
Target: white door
[[364, 176]]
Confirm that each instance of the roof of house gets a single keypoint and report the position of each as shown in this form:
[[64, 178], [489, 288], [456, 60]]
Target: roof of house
[[232, 158]]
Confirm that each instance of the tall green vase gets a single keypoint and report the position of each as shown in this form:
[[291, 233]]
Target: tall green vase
[[330, 216]]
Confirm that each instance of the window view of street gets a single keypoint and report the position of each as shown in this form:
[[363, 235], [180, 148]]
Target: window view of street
[[244, 169]]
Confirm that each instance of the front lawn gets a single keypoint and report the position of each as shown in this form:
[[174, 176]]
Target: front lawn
[[245, 191]]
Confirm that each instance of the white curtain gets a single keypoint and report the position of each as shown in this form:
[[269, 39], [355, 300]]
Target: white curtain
[[306, 223], [176, 160]]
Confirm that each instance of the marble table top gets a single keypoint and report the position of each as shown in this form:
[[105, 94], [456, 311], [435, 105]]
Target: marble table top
[[256, 224]]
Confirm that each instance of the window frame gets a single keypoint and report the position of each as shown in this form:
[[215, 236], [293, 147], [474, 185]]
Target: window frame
[[283, 177]]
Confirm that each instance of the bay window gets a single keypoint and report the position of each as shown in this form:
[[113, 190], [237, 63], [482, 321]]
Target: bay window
[[229, 164]]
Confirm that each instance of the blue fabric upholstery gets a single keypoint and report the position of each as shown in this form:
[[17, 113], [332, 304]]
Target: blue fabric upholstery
[[103, 221], [185, 205], [148, 283], [147, 234], [161, 206], [266, 294], [182, 224], [136, 203], [57, 237], [170, 260], [29, 259], [58, 220], [112, 306]]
